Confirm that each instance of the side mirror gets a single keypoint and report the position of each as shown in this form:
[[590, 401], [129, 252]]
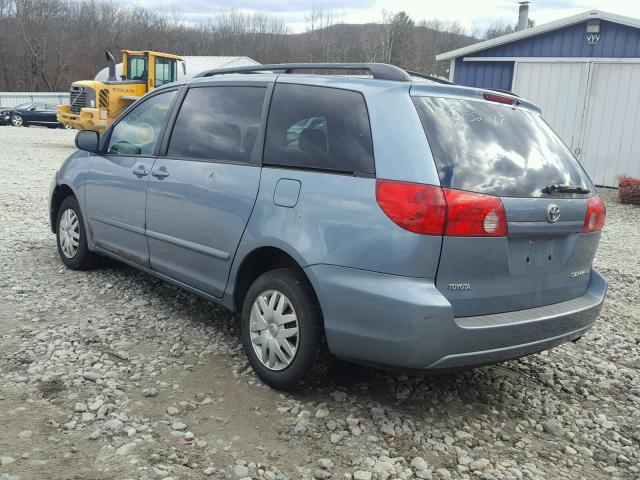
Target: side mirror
[[32, 109], [88, 140]]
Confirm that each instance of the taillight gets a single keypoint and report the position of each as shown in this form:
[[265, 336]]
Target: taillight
[[492, 97], [415, 207], [596, 213], [474, 215], [432, 210]]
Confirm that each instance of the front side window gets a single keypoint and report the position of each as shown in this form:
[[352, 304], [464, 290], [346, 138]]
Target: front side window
[[138, 131], [319, 128], [218, 123], [38, 107], [137, 68], [165, 71]]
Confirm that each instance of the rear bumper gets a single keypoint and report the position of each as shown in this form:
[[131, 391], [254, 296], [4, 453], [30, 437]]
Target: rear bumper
[[407, 323]]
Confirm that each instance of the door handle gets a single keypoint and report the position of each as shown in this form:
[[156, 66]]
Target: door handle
[[160, 173], [141, 171]]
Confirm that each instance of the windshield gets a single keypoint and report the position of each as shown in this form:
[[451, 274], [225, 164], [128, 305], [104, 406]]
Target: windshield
[[23, 105], [496, 149]]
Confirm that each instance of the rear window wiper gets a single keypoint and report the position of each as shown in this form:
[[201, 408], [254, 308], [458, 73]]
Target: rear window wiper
[[565, 189]]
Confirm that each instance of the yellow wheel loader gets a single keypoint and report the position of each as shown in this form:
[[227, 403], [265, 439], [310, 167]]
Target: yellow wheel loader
[[94, 105]]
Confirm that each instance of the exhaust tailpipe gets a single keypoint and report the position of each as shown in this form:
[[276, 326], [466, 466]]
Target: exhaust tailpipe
[[112, 67]]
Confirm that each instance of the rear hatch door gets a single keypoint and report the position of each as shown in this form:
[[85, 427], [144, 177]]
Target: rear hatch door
[[509, 152]]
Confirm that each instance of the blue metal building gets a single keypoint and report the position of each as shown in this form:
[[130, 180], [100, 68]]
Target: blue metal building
[[583, 71]]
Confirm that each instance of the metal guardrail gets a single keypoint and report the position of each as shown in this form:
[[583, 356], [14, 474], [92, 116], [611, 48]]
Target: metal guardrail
[[12, 99]]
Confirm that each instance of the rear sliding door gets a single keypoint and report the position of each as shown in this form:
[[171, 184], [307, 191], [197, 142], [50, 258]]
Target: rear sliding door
[[200, 196]]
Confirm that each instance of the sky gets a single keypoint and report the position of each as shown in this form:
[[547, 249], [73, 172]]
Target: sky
[[471, 13]]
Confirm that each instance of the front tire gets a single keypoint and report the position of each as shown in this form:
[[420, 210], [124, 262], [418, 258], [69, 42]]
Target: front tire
[[71, 237], [16, 120], [282, 330]]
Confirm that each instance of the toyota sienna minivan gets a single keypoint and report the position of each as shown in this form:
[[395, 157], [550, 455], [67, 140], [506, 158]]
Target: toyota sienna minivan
[[390, 219]]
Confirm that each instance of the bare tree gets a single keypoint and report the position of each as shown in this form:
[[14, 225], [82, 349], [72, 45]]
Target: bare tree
[[497, 29], [47, 44]]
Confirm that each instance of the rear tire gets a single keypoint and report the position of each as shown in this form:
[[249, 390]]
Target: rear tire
[[294, 334], [71, 237]]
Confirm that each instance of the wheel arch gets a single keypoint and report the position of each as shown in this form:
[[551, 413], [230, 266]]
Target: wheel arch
[[257, 262], [60, 192]]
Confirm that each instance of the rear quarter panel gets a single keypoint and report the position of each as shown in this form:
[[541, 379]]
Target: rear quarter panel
[[336, 221]]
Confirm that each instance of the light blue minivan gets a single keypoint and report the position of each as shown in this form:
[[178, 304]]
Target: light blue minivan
[[391, 219]]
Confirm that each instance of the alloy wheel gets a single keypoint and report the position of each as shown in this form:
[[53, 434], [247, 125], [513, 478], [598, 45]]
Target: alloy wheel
[[16, 120]]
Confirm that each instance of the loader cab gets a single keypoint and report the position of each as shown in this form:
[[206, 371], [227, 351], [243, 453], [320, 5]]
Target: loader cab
[[151, 68]]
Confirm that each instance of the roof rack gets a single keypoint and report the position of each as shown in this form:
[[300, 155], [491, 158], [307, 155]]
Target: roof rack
[[379, 71], [433, 78]]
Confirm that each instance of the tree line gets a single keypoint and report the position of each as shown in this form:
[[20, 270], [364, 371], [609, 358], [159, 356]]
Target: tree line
[[45, 45]]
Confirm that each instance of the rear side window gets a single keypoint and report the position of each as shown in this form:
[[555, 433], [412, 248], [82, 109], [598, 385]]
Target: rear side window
[[218, 123], [495, 149], [319, 128]]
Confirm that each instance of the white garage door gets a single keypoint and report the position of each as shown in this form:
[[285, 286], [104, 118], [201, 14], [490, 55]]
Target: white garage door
[[611, 138], [594, 107], [559, 89]]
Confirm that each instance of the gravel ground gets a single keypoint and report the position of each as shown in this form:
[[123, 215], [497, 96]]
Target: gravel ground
[[111, 374]]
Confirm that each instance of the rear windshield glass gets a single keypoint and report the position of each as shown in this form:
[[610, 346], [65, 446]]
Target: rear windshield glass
[[495, 149]]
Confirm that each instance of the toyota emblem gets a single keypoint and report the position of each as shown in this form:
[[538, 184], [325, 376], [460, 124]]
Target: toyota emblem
[[553, 213]]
